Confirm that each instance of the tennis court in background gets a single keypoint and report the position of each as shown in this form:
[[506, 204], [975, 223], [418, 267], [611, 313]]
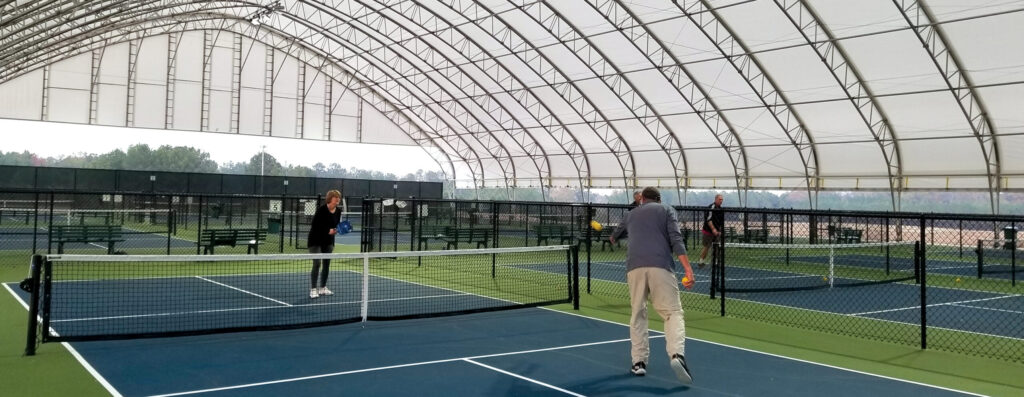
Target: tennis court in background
[[531, 351]]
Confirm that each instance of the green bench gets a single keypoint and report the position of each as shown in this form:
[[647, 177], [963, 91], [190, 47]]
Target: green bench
[[603, 237], [480, 236], [426, 233], [90, 234], [849, 236], [252, 238], [547, 232], [758, 235]]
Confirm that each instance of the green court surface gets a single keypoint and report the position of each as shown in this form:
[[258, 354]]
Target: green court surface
[[54, 371]]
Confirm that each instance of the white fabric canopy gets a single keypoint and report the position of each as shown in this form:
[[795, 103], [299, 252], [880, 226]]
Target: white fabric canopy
[[742, 94]]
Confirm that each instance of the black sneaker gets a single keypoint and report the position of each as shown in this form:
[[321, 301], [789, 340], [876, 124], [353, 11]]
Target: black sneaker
[[639, 369], [678, 364]]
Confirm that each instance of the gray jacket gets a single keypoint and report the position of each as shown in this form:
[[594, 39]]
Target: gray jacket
[[654, 238]]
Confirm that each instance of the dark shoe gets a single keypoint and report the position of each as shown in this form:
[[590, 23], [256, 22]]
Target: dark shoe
[[639, 369], [678, 364]]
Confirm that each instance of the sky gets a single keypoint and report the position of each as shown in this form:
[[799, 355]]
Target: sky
[[49, 139]]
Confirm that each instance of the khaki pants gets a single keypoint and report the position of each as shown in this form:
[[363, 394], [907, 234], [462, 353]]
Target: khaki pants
[[663, 289]]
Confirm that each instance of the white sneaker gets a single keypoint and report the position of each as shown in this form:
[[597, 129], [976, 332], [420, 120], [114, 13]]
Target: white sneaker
[[313, 293], [325, 291]]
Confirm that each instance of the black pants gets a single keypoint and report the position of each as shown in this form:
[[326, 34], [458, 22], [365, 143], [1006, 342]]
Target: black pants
[[317, 249]]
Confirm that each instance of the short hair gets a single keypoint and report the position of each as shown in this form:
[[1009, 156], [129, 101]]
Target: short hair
[[332, 194], [651, 193]]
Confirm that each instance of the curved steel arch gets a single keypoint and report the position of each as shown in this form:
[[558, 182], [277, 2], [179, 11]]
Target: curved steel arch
[[369, 94], [392, 78], [556, 79], [554, 23], [934, 41], [430, 55], [761, 83], [502, 77], [672, 69], [831, 52]]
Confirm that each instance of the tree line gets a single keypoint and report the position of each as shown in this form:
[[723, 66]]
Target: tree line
[[141, 157]]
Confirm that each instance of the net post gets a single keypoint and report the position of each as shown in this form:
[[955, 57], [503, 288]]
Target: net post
[[721, 275], [831, 266], [35, 223], [575, 277], [1013, 255], [170, 222], [364, 306], [920, 249], [981, 256], [49, 226], [46, 284], [199, 225], [33, 306]]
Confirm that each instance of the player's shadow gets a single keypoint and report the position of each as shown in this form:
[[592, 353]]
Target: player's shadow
[[623, 385]]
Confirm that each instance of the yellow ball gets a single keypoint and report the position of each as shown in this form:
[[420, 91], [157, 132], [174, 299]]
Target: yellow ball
[[596, 225], [685, 280], [958, 279], [825, 278]]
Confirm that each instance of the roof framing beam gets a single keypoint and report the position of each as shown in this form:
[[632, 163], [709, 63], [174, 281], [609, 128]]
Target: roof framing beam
[[709, 21], [934, 40], [477, 55], [820, 38], [590, 55], [678, 77], [513, 41]]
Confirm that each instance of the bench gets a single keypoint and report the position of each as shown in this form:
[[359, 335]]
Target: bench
[[603, 237], [731, 234], [546, 232], [454, 236], [758, 235], [849, 236], [430, 232], [252, 238], [107, 234]]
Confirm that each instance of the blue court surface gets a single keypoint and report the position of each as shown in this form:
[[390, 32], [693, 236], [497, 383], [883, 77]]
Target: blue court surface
[[979, 312], [536, 352]]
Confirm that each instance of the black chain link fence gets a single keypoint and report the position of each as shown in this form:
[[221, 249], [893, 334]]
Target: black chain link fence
[[944, 282]]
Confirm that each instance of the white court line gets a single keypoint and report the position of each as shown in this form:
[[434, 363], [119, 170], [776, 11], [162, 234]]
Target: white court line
[[246, 308], [244, 291], [990, 308], [74, 353], [417, 364], [524, 378], [114, 392], [933, 305]]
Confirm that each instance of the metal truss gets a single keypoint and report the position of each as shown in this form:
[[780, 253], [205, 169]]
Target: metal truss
[[934, 41], [830, 51], [114, 33], [368, 57], [510, 83], [444, 87], [399, 39], [670, 67], [587, 53], [707, 19], [439, 29], [494, 24]]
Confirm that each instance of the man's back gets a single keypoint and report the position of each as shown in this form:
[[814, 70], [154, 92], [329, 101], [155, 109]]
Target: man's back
[[653, 231]]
